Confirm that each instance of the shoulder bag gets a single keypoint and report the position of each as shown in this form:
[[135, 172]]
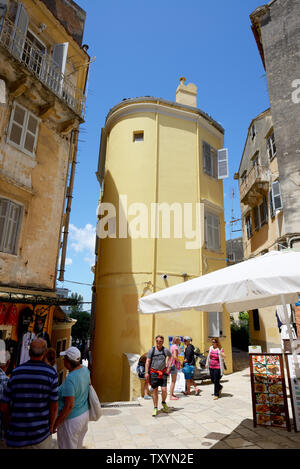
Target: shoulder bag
[[95, 411]]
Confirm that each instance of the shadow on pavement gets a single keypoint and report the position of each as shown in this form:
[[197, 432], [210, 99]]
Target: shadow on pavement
[[246, 436]]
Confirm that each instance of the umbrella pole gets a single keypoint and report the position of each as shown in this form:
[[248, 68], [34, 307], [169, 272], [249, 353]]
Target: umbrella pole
[[290, 333]]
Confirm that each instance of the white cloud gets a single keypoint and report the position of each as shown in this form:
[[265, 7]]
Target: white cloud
[[83, 238], [68, 261]]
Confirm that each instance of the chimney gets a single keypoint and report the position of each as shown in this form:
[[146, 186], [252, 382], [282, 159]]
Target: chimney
[[186, 94]]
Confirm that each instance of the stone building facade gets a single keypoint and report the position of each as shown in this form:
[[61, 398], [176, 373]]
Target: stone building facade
[[43, 71]]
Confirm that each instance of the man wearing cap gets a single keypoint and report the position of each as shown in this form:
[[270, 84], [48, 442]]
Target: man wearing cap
[[30, 400], [73, 408], [189, 366]]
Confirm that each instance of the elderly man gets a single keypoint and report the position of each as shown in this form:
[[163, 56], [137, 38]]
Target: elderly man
[[158, 371], [30, 399]]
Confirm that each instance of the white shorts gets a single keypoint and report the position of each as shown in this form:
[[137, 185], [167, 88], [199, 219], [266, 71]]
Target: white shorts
[[71, 432]]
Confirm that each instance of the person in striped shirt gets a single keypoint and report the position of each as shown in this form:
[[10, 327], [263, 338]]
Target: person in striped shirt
[[31, 401]]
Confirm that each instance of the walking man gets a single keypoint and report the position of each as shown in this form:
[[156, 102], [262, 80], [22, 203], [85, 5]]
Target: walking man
[[30, 399], [157, 370]]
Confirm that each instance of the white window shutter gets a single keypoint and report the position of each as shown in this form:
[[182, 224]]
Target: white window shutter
[[20, 31], [59, 56], [214, 324], [277, 201], [223, 172]]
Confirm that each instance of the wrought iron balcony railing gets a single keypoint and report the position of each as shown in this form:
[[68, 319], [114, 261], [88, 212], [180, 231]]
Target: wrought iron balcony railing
[[41, 65]]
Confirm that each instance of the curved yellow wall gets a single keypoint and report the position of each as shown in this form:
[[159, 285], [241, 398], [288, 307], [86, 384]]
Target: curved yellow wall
[[165, 167]]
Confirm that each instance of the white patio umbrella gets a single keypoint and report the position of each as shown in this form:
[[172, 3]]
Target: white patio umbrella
[[267, 280]]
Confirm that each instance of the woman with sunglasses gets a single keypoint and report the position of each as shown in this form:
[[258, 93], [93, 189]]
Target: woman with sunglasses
[[215, 363]]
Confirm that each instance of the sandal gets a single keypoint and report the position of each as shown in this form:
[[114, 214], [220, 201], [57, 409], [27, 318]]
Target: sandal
[[174, 398]]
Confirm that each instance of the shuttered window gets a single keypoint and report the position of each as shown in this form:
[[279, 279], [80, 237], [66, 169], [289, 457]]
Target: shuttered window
[[276, 192], [210, 160], [272, 212], [10, 218], [271, 146], [223, 163], [256, 218], [249, 226], [212, 230], [23, 129], [19, 32]]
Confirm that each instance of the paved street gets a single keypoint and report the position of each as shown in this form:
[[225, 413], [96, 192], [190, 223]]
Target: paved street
[[195, 422]]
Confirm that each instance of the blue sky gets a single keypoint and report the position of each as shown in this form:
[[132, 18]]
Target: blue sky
[[142, 48]]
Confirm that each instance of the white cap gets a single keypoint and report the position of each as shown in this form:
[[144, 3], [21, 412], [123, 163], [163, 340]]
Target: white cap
[[187, 337], [73, 353]]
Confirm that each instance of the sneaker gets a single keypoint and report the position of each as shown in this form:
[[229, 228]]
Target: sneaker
[[165, 408], [147, 397], [216, 397], [155, 412]]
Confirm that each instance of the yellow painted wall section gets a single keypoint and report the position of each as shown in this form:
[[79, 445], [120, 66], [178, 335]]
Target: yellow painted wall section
[[165, 167]]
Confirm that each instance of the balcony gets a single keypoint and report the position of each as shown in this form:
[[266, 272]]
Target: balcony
[[254, 185], [42, 66]]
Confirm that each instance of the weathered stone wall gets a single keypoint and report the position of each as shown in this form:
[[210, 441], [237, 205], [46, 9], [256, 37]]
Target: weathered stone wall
[[70, 15], [281, 43]]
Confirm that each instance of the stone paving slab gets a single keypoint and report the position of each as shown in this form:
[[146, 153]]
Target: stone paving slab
[[194, 422]]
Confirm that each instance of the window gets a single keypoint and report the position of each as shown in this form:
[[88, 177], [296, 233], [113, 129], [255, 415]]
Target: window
[[33, 53], [255, 159], [271, 146], [249, 226], [210, 160], [223, 171], [256, 324], [10, 221], [260, 213], [253, 131], [23, 129], [243, 176], [276, 196], [231, 257], [215, 324], [58, 348], [272, 211], [138, 136], [212, 230]]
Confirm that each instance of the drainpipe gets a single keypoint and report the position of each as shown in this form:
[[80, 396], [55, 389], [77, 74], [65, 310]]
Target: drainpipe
[[63, 212], [68, 208]]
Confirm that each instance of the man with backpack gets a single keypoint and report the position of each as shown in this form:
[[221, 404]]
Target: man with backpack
[[158, 372]]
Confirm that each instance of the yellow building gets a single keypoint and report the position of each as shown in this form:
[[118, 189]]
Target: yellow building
[[262, 214], [43, 70], [158, 160]]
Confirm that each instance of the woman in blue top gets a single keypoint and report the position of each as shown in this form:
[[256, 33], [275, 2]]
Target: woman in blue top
[[73, 407]]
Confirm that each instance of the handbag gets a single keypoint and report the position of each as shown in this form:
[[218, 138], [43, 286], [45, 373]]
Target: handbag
[[95, 411]]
